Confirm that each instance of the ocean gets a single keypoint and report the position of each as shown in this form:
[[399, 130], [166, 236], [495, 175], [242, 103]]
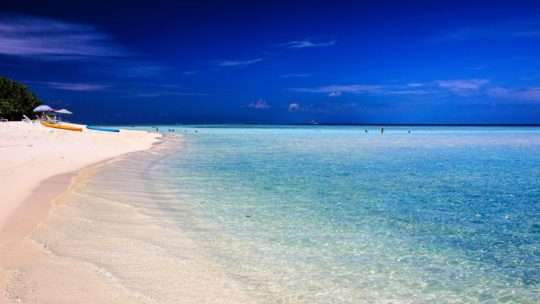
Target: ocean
[[312, 214]]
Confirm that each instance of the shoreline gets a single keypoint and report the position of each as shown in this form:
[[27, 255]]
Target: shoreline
[[99, 232], [20, 217]]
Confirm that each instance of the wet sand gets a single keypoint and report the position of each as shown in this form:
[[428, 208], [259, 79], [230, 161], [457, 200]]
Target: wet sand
[[37, 164]]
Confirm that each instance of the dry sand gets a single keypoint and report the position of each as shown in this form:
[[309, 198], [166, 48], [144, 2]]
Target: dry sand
[[37, 164]]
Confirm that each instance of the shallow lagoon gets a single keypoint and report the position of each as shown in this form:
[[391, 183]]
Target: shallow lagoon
[[320, 214]]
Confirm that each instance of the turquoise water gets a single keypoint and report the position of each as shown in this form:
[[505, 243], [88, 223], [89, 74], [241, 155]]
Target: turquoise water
[[336, 215]]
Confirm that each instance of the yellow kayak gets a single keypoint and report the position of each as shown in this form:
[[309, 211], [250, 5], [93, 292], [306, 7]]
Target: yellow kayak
[[60, 126]]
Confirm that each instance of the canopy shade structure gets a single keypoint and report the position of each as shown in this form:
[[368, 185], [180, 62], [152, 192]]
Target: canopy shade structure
[[63, 111], [43, 108]]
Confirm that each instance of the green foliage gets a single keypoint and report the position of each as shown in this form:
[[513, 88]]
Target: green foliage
[[16, 99]]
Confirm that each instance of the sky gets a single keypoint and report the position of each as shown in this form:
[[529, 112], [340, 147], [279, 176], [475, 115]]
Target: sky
[[335, 61]]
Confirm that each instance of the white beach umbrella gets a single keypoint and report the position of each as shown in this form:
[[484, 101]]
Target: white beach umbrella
[[63, 111], [43, 108]]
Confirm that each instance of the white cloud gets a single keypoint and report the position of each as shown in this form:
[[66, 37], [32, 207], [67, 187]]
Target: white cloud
[[458, 87], [354, 88], [51, 39], [128, 68], [407, 92], [462, 87], [334, 94], [260, 105], [530, 93], [70, 86], [470, 84], [307, 43], [232, 63], [295, 106], [56, 40]]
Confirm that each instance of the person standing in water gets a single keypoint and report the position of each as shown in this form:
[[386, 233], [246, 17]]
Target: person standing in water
[[382, 130]]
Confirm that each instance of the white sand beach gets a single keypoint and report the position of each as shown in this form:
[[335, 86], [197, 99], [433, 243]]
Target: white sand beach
[[34, 157]]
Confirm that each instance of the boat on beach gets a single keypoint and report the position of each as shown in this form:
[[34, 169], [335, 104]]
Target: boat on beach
[[60, 126], [102, 129]]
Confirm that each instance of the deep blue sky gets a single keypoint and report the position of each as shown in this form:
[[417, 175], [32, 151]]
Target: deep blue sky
[[228, 62]]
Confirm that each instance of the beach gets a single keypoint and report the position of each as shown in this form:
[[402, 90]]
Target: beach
[[85, 229], [281, 214], [38, 164]]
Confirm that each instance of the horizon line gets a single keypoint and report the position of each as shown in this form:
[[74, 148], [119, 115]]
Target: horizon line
[[342, 124]]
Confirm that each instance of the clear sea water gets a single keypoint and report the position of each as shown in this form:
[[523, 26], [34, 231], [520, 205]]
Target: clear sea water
[[335, 215], [321, 214]]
